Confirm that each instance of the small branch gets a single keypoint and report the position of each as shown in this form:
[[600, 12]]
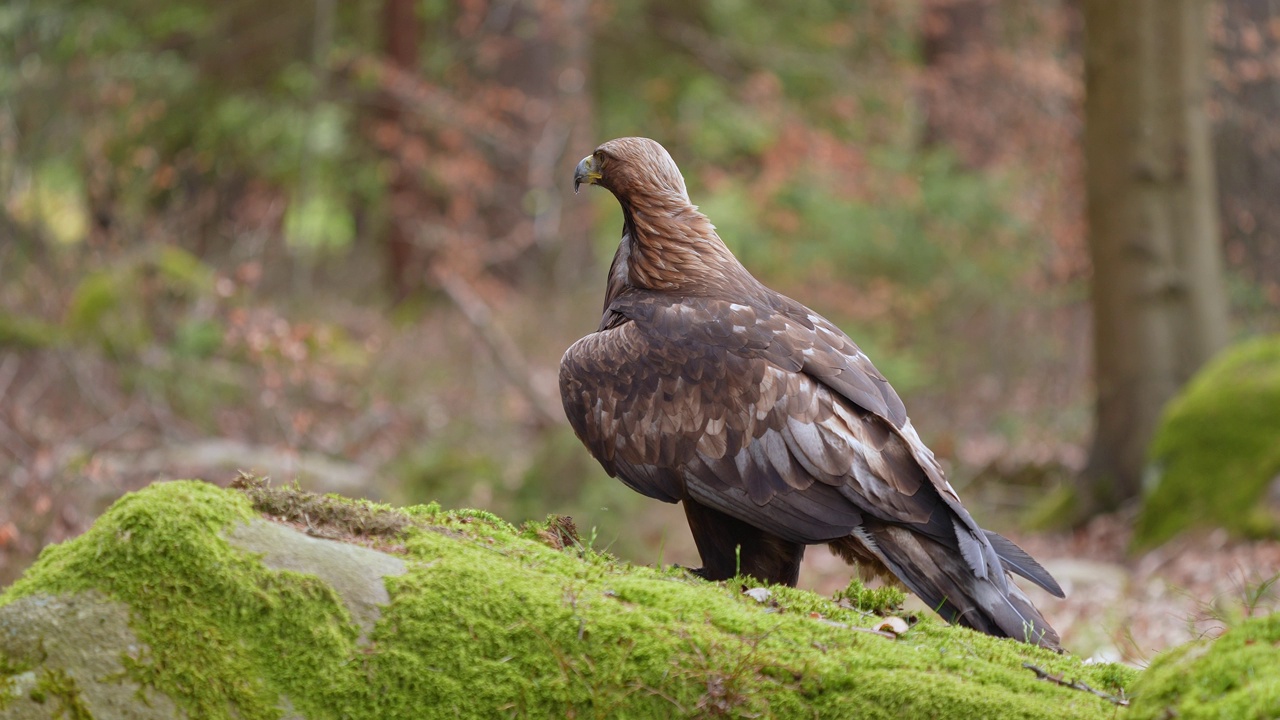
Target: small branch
[[1042, 674], [437, 107], [503, 349], [869, 631]]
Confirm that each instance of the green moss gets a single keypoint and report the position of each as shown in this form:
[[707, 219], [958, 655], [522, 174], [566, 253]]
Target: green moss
[[880, 601], [211, 615], [1215, 450], [10, 670], [57, 686], [1236, 677], [486, 623]]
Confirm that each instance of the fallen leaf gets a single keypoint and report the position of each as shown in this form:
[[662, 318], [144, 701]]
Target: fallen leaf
[[893, 624]]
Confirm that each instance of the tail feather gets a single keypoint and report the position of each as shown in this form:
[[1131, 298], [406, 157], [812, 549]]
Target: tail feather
[[1016, 560], [947, 583]]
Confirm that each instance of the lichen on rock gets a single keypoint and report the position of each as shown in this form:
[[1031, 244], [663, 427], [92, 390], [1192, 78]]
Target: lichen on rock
[[64, 656], [484, 621]]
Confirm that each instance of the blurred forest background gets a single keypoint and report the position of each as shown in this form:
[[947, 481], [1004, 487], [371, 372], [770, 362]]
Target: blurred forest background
[[338, 241]]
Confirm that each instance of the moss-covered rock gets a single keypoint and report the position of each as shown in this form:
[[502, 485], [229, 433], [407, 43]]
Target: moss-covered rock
[[478, 619], [1236, 677], [1217, 449]]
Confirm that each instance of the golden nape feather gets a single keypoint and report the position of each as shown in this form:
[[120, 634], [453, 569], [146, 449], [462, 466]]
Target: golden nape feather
[[704, 387]]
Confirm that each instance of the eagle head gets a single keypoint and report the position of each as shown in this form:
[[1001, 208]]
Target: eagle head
[[632, 166], [667, 245]]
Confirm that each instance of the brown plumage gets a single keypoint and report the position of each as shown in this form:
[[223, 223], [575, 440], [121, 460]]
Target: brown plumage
[[703, 386]]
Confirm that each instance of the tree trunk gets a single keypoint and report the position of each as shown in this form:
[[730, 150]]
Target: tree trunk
[[401, 36], [1159, 306]]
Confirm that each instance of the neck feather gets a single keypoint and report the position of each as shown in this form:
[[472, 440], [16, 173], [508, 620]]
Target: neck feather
[[672, 247]]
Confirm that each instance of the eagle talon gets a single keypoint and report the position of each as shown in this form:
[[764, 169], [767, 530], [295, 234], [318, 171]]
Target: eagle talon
[[700, 572]]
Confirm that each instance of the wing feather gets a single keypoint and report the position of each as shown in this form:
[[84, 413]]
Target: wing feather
[[761, 407]]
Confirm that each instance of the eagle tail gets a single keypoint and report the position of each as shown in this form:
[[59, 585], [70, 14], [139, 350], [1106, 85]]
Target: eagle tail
[[1016, 560], [943, 579]]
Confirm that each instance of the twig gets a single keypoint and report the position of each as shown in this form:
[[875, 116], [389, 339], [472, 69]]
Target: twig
[[8, 370], [503, 349], [1042, 674], [439, 107], [9, 439], [869, 631]]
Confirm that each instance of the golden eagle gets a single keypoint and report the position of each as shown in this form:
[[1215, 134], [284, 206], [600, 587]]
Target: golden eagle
[[703, 386]]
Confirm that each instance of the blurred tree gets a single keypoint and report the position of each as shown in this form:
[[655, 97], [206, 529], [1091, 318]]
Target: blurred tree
[[401, 36], [1245, 104], [475, 108], [1159, 305]]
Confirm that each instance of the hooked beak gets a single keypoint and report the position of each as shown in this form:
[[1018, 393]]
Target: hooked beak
[[586, 172]]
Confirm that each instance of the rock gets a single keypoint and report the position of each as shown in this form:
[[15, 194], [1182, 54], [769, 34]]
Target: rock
[[1217, 449], [186, 600], [1236, 676], [354, 572], [74, 644]]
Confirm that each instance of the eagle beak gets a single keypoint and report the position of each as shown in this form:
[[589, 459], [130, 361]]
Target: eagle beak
[[586, 172]]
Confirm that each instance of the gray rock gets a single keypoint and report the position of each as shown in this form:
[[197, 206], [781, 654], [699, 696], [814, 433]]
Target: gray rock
[[73, 645], [355, 572]]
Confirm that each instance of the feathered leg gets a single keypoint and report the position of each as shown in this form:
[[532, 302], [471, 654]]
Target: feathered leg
[[729, 546]]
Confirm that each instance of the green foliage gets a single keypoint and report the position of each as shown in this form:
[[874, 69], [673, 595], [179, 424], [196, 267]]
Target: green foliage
[[683, 73], [198, 338], [485, 622], [26, 332], [1215, 451], [318, 220], [53, 202], [119, 307], [98, 312], [557, 473], [950, 237], [447, 468], [171, 95], [1054, 510], [152, 312]]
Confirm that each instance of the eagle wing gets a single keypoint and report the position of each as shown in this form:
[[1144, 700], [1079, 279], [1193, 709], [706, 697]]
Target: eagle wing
[[763, 410]]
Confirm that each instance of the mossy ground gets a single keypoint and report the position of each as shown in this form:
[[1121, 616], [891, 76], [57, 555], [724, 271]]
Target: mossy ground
[[491, 621], [1217, 448], [1236, 677]]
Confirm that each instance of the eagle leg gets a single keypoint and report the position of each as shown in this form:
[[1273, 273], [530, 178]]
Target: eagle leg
[[730, 547]]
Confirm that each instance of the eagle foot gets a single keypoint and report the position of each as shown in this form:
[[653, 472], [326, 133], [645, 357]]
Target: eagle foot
[[700, 572]]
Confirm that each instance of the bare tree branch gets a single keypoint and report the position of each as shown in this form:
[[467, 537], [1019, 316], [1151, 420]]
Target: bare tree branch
[[504, 350]]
